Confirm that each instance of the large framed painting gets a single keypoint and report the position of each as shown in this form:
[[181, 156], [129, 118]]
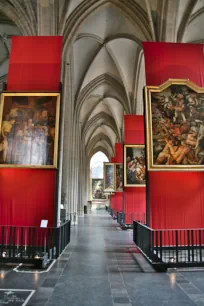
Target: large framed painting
[[175, 126], [118, 177], [109, 177], [134, 166], [29, 130], [98, 189]]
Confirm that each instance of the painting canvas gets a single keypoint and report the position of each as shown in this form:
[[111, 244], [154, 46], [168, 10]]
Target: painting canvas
[[29, 129], [109, 177], [98, 189], [118, 177], [175, 126], [134, 166]]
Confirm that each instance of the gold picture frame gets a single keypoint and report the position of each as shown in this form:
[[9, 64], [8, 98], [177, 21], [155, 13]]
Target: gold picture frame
[[119, 180], [176, 109], [134, 166], [29, 130], [109, 177]]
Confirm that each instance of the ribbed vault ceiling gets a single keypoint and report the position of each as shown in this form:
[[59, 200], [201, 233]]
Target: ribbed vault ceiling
[[7, 30], [105, 59]]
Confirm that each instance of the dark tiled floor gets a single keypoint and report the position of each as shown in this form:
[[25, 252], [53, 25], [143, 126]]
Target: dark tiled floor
[[98, 268]]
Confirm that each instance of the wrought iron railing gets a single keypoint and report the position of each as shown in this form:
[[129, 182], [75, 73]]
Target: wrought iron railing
[[128, 218], [170, 247], [31, 244]]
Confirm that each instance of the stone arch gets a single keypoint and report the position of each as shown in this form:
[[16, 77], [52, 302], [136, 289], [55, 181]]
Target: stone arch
[[97, 138], [18, 17], [105, 119], [106, 78], [134, 11]]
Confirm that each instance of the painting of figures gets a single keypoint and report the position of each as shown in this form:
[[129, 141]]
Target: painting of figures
[[109, 177], [98, 189], [29, 130], [134, 166], [175, 127], [118, 177]]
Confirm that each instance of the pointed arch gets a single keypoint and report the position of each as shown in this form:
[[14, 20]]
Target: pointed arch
[[105, 78], [132, 9], [96, 139]]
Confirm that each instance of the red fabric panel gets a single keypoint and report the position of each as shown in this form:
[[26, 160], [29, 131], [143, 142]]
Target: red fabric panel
[[135, 198], [112, 201], [133, 129], [27, 196], [112, 159], [165, 61], [176, 198], [135, 203], [172, 205], [35, 63], [118, 201], [118, 153]]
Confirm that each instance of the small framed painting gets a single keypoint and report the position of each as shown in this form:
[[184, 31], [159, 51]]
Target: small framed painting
[[118, 177], [109, 177], [134, 166], [97, 189]]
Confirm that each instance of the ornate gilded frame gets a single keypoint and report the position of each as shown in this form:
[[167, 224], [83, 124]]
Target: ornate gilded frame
[[41, 94], [125, 166], [148, 113], [120, 164], [104, 176]]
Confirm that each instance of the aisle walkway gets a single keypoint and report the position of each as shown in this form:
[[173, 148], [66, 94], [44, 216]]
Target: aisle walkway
[[98, 268]]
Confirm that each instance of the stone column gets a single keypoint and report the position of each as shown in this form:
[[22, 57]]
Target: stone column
[[68, 173], [82, 180], [48, 17]]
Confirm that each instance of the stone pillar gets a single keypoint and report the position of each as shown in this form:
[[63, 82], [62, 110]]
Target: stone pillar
[[48, 17], [82, 179], [68, 142]]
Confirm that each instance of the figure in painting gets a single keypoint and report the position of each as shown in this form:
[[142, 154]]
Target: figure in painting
[[178, 126]]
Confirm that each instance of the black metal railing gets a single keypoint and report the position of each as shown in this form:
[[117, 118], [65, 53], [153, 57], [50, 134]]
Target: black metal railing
[[111, 212], [120, 218], [128, 218], [30, 244], [170, 247]]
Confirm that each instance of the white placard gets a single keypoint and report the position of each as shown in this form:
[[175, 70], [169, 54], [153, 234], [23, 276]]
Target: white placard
[[43, 223]]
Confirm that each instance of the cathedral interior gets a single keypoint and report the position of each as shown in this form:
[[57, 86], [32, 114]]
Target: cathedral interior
[[102, 77]]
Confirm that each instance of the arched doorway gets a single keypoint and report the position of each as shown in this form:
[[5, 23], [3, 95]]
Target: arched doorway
[[97, 176]]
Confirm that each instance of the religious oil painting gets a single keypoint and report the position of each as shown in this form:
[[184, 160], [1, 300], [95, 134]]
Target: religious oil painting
[[118, 177], [109, 177], [175, 126], [29, 129], [134, 166], [98, 189]]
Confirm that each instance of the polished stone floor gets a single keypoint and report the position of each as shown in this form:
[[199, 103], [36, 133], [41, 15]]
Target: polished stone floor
[[102, 267]]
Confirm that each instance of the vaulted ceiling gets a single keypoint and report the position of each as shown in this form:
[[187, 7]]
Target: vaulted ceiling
[[7, 30], [108, 64], [104, 40]]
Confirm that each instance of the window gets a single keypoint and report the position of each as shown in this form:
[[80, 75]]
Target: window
[[96, 165]]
